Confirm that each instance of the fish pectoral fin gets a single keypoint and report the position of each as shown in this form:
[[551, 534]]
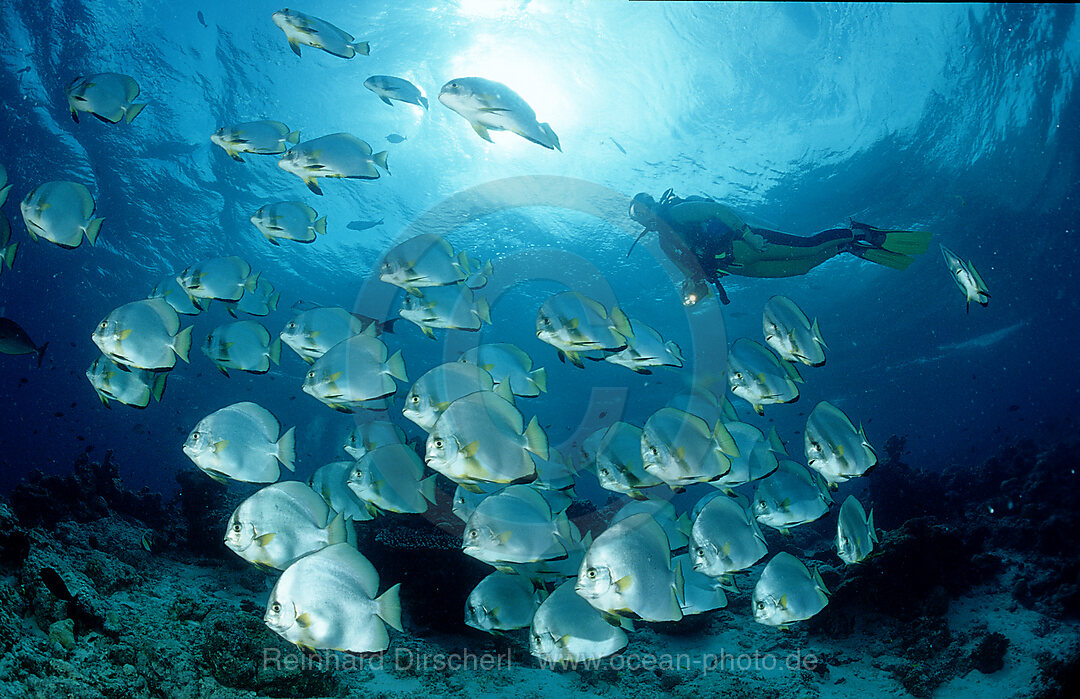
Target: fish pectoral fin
[[504, 537], [623, 583], [125, 334], [265, 539], [470, 449], [613, 619], [304, 620], [493, 110], [220, 446], [783, 602], [294, 45], [481, 131]]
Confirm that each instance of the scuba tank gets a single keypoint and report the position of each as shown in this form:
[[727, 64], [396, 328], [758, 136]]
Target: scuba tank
[[667, 200]]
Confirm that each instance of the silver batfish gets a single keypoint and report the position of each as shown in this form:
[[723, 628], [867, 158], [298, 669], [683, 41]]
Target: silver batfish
[[339, 155], [317, 33], [328, 600], [489, 105]]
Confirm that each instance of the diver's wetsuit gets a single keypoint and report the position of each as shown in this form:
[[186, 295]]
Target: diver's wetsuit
[[706, 240]]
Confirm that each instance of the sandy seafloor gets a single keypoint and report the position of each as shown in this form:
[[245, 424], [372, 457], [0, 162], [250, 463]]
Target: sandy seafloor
[[961, 605]]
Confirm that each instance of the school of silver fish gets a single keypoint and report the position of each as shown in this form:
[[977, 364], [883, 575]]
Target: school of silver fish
[[577, 592]]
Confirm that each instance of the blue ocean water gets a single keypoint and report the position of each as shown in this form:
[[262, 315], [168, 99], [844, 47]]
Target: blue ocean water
[[956, 119], [959, 119]]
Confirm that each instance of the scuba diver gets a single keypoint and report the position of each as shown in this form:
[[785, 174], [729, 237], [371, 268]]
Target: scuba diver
[[707, 240]]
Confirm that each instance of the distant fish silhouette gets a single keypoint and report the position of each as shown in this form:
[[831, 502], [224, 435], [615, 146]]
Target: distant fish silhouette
[[621, 149], [15, 340], [382, 326], [363, 225], [395, 138], [56, 584], [202, 20]]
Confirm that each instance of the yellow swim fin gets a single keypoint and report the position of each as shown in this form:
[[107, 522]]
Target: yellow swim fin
[[907, 242], [884, 257]]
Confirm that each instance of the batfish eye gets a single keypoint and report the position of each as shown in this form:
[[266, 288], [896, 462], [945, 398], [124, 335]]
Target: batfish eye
[[603, 472], [700, 552], [473, 533], [760, 605], [738, 375], [416, 399], [591, 573], [438, 444], [237, 528], [195, 435], [311, 374], [655, 451], [104, 325], [275, 608]]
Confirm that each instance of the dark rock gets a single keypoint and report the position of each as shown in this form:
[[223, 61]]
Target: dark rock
[[1062, 678], [915, 570], [436, 577], [1052, 587], [14, 544], [921, 679], [670, 680], [899, 492], [988, 656], [202, 507], [241, 653], [91, 491], [925, 638]]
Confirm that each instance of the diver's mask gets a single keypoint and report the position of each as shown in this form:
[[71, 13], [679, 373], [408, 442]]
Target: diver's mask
[[641, 209]]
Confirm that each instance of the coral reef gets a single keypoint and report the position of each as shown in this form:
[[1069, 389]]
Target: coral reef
[[90, 492], [86, 611]]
